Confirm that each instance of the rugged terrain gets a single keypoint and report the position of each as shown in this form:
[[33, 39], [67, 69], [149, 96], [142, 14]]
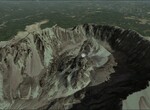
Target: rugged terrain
[[86, 67]]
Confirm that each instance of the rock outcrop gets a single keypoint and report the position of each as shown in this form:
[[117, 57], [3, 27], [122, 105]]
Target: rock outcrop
[[87, 67]]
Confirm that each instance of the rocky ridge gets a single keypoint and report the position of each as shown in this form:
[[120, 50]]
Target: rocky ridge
[[85, 67]]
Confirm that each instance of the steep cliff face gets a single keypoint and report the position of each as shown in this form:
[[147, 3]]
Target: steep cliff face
[[85, 67], [131, 52]]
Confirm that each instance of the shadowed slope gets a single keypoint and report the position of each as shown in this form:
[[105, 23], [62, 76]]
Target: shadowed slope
[[90, 66]]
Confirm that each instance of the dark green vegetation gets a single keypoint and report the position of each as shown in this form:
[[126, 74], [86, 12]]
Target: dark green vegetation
[[14, 16]]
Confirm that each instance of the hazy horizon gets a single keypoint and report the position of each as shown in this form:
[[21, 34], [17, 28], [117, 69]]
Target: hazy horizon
[[16, 15], [79, 0]]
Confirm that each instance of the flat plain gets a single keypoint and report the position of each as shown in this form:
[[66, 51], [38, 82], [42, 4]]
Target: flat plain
[[15, 16]]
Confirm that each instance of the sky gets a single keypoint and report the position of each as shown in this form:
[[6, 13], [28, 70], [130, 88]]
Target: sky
[[75, 0]]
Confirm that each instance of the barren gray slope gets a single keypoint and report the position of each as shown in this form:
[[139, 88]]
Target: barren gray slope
[[47, 68]]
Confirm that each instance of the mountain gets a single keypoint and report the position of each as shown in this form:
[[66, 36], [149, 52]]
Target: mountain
[[86, 67]]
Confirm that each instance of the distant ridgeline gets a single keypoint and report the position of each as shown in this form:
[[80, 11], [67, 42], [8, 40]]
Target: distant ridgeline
[[75, 0]]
